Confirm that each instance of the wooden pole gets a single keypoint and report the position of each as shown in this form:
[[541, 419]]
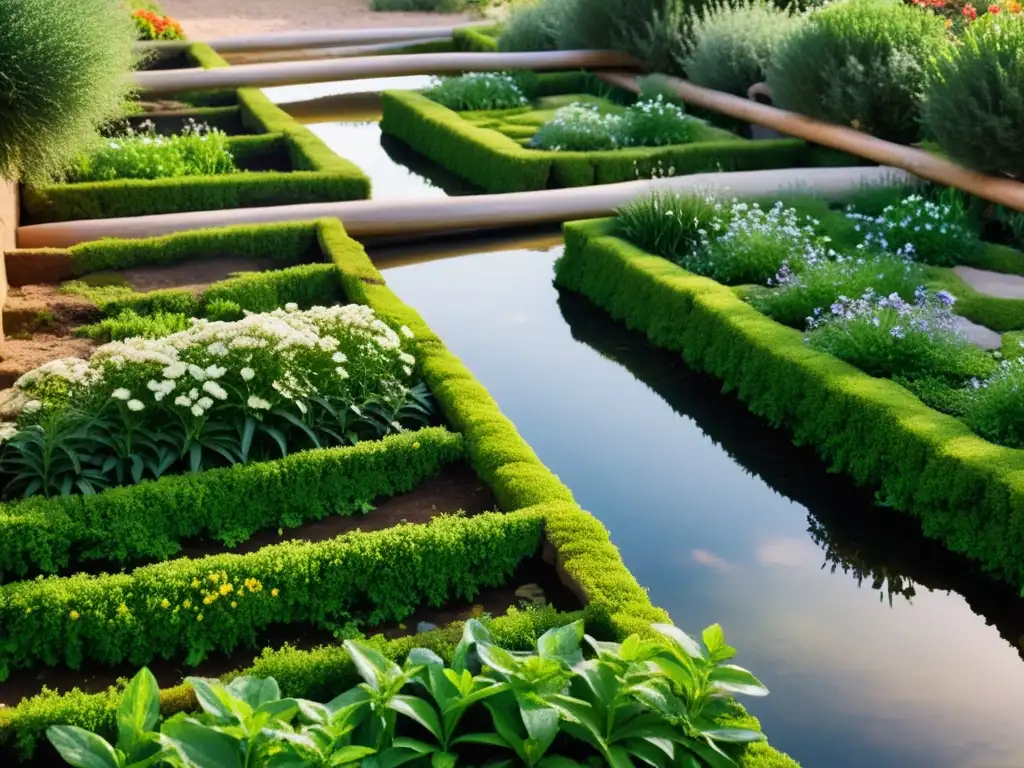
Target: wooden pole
[[308, 54], [364, 218], [299, 72], [917, 161]]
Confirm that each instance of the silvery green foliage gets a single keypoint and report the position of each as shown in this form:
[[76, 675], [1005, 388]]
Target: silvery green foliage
[[478, 91]]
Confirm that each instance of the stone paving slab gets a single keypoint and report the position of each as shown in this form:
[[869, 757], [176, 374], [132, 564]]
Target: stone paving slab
[[979, 335], [992, 283]]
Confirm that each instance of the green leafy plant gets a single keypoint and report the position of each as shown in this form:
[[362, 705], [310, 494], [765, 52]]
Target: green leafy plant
[[64, 67], [733, 44], [478, 91], [197, 151], [994, 409], [972, 105], [544, 25], [667, 223], [861, 63], [655, 701], [129, 323], [581, 127]]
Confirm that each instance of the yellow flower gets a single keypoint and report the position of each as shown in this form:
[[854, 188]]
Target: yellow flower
[[28, 611], [234, 604], [416, 444], [74, 615], [187, 604], [226, 588], [165, 603], [195, 583], [122, 610], [274, 592], [214, 577], [199, 617], [208, 600]]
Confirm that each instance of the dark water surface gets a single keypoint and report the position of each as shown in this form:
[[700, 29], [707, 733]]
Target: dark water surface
[[880, 648]]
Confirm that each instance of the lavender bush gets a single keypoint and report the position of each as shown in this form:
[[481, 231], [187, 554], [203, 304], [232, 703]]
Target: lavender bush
[[887, 336]]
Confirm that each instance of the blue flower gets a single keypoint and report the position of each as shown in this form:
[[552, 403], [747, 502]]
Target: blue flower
[[947, 299], [896, 331]]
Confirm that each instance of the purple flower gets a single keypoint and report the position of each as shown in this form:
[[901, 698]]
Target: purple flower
[[896, 331], [947, 299]]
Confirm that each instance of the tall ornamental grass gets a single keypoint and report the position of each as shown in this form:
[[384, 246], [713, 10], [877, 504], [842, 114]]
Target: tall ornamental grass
[[62, 75], [974, 106], [861, 63]]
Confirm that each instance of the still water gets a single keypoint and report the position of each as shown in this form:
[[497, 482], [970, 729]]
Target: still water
[[723, 520], [880, 648]]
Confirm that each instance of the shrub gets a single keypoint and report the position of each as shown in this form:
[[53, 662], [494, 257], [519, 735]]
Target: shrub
[[940, 233], [260, 387], [733, 45], [743, 243], [150, 25], [657, 122], [995, 408], [129, 323], [545, 25], [797, 294], [196, 151], [478, 91], [666, 223], [860, 63], [887, 336], [63, 68], [974, 106], [585, 127]]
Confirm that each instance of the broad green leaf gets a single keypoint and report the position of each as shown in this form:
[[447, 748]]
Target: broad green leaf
[[392, 758], [279, 709], [82, 748], [618, 757], [713, 757], [729, 677], [541, 722], [350, 754], [419, 710], [498, 659], [629, 647], [139, 710], [415, 745], [580, 712], [354, 697], [473, 633], [492, 739], [603, 646], [216, 700], [677, 671], [734, 735], [443, 760], [686, 643], [600, 680], [562, 643], [372, 666], [200, 747], [714, 641], [313, 711]]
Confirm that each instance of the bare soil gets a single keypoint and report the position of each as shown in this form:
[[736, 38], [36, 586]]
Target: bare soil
[[217, 18], [193, 275], [19, 356]]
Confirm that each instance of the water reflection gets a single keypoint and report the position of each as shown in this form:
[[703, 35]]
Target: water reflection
[[724, 520]]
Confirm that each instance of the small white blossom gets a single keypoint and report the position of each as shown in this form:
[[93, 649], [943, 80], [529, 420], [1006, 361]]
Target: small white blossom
[[183, 401], [406, 331], [120, 394], [135, 405], [258, 403], [247, 374], [215, 389], [339, 357]]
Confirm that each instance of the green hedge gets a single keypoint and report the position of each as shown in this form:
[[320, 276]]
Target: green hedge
[[151, 520], [318, 175], [209, 604], [498, 163], [578, 543], [966, 492], [476, 39]]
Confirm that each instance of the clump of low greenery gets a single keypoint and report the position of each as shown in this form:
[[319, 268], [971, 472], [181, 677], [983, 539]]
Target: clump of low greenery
[[128, 323], [197, 151], [939, 233], [795, 294], [860, 63], [63, 68], [995, 408], [545, 25], [732, 45], [974, 105], [887, 336], [478, 91], [586, 127], [666, 223]]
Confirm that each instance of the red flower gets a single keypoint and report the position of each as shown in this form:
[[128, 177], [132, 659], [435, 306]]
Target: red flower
[[994, 8], [969, 11]]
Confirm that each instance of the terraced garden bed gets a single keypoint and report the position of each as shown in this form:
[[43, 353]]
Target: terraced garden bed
[[882, 357]]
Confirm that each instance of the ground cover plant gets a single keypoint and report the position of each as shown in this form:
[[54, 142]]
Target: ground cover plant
[[861, 63], [197, 151], [584, 127], [651, 700], [263, 386], [64, 67], [478, 91]]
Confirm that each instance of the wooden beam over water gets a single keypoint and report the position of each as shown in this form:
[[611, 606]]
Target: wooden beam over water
[[365, 218]]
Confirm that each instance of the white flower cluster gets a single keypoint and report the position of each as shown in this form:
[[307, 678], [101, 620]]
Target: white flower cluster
[[252, 363]]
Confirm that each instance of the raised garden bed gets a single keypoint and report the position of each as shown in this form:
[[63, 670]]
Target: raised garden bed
[[966, 492], [296, 586], [489, 149], [282, 163]]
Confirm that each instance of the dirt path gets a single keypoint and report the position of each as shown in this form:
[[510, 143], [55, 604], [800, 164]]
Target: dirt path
[[214, 18]]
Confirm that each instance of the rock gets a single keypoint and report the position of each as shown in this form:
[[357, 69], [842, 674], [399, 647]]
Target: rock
[[533, 593], [425, 626]]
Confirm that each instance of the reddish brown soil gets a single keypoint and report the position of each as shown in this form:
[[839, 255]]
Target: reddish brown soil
[[44, 307], [18, 356], [195, 275]]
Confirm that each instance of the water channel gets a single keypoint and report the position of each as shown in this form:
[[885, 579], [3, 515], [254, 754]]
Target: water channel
[[880, 648]]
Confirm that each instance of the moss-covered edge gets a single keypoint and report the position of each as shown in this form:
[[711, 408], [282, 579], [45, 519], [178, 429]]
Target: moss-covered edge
[[318, 174], [498, 163], [967, 492], [616, 604]]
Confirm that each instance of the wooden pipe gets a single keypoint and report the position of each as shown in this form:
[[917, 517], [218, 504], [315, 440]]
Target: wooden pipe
[[299, 72], [917, 161], [308, 54], [321, 38], [364, 218]]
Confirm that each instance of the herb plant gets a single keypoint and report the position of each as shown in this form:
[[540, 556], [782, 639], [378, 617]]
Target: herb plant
[[652, 122], [478, 91], [654, 701], [667, 223], [995, 409]]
